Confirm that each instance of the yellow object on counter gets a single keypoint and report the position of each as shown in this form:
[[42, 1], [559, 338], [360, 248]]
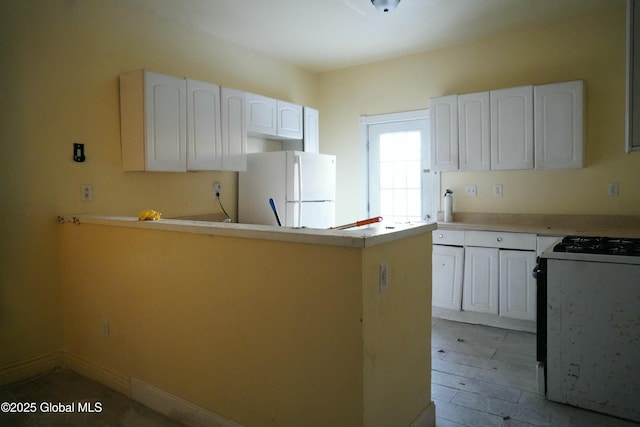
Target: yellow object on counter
[[149, 215]]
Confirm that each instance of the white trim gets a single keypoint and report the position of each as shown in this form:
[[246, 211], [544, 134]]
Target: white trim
[[172, 406], [394, 117]]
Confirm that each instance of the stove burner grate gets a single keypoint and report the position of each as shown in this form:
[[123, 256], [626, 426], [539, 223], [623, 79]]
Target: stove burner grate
[[599, 245]]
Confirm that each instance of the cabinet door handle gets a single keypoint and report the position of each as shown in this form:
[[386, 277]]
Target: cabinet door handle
[[440, 236], [499, 239]]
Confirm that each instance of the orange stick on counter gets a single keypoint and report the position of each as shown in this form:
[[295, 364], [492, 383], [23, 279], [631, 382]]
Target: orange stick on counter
[[358, 223]]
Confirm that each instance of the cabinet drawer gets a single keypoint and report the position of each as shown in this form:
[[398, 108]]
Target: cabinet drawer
[[494, 239], [448, 237]]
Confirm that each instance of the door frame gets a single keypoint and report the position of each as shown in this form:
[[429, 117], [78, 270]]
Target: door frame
[[365, 121]]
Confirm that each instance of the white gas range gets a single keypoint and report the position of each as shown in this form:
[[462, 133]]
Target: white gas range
[[589, 324]]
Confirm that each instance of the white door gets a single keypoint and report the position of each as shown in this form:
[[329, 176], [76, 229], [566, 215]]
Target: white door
[[234, 130], [447, 267], [444, 133], [512, 128], [517, 285], [310, 176], [310, 214], [402, 188], [474, 131], [480, 283], [311, 130], [289, 123], [261, 114], [204, 137], [166, 121], [558, 112]]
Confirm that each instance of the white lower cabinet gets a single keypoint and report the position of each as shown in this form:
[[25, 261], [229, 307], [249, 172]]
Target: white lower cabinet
[[517, 285], [485, 277], [447, 266], [480, 285], [447, 276]]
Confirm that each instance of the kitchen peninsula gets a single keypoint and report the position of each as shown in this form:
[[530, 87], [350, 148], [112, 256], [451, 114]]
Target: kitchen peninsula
[[256, 324]]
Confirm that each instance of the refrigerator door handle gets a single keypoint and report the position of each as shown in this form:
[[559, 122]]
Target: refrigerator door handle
[[297, 161]]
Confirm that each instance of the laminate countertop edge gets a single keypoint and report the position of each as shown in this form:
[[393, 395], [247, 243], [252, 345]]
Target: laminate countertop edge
[[548, 230], [357, 237]]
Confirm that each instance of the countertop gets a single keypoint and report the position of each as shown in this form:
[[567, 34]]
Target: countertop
[[356, 237], [548, 225]]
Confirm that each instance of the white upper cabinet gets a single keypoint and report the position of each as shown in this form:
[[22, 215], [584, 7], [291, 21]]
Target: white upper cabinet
[[261, 114], [558, 117], [234, 129], [273, 118], [289, 120], [311, 129], [444, 132], [512, 128], [474, 131], [204, 136], [153, 122]]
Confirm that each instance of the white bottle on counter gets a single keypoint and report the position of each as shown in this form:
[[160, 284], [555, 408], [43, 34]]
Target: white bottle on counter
[[448, 206]]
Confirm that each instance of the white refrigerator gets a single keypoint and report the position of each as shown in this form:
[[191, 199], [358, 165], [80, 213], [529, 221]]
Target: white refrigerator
[[302, 186]]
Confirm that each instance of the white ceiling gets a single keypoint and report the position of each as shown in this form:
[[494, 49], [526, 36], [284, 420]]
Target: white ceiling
[[321, 35]]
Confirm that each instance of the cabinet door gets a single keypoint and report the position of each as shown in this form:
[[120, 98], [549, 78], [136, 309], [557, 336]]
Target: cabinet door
[[289, 120], [261, 114], [480, 283], [165, 123], [512, 128], [311, 142], [473, 131], [558, 117], [447, 276], [234, 130], [444, 132], [517, 285], [204, 137]]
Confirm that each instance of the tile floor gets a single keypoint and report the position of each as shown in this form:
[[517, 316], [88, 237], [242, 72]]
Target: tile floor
[[483, 376]]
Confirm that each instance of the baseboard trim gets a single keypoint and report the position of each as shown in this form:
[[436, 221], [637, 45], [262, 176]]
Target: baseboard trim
[[484, 319], [427, 418], [25, 369], [175, 407], [108, 377]]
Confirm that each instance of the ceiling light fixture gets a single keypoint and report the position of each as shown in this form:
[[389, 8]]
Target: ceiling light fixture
[[385, 5]]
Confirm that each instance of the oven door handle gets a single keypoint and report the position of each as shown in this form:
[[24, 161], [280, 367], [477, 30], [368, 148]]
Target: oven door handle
[[538, 271]]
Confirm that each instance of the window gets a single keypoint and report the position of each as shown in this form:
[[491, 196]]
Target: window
[[401, 187]]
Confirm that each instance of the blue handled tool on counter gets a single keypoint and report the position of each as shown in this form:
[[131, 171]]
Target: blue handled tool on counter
[[275, 211]]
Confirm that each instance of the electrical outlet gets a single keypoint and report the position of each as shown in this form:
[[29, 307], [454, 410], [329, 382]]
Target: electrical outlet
[[217, 187], [87, 192], [471, 190], [105, 327], [612, 189], [384, 278], [497, 190]]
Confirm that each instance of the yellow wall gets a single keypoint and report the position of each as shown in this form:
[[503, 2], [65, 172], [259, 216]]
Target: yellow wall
[[60, 62], [591, 48], [397, 333], [260, 332]]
